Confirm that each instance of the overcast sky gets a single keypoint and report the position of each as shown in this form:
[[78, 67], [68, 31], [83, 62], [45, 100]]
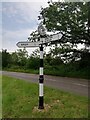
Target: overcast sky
[[19, 19]]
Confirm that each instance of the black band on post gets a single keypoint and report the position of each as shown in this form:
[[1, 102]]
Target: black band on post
[[41, 62], [41, 100], [41, 79]]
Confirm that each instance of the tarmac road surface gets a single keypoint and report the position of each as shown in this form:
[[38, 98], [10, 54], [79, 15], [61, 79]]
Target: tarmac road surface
[[73, 85]]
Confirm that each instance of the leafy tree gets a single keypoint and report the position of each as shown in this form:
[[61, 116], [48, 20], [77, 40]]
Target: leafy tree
[[0, 60], [48, 59], [33, 63], [20, 57], [64, 53], [6, 58], [15, 58], [85, 61], [72, 19], [35, 53]]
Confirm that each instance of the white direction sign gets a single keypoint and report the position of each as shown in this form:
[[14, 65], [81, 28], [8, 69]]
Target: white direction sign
[[48, 39], [56, 37], [23, 44]]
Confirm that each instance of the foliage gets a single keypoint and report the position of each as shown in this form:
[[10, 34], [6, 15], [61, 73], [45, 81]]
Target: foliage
[[35, 53], [0, 60], [72, 20], [32, 63], [22, 56], [85, 60], [16, 58], [53, 63], [6, 58]]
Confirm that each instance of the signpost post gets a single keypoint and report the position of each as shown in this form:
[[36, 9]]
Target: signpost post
[[41, 80], [43, 40]]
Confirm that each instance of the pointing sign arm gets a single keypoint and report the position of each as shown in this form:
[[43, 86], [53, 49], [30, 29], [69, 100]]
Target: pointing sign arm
[[51, 38], [27, 44], [56, 37]]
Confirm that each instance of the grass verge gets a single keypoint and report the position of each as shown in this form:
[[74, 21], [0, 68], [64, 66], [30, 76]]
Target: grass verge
[[20, 100], [0, 97]]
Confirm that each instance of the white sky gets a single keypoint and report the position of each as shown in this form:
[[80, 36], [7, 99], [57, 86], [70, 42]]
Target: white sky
[[19, 19]]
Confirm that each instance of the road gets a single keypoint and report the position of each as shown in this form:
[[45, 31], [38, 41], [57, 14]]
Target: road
[[73, 85]]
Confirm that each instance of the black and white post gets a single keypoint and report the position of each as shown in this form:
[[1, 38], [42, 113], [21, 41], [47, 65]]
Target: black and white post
[[41, 80], [43, 39]]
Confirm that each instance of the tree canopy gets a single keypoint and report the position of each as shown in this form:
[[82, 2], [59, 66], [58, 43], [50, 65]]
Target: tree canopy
[[70, 18]]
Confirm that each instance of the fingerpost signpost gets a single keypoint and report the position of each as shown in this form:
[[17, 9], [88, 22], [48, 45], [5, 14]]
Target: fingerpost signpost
[[42, 40]]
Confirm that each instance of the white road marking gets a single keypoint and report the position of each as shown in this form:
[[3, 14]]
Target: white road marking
[[80, 84], [71, 83], [52, 80]]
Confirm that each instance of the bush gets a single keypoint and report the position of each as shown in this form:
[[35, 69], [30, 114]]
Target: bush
[[33, 63]]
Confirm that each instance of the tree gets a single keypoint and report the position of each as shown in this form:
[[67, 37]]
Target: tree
[[35, 53], [6, 58], [72, 20], [20, 57], [15, 58], [0, 60], [33, 63]]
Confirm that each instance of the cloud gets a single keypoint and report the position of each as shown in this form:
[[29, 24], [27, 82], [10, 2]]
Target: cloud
[[0, 39], [23, 13], [28, 11], [43, 1], [0, 7], [0, 13], [24, 1], [19, 15], [10, 38], [0, 25]]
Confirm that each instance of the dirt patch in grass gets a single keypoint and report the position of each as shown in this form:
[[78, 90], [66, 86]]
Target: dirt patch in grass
[[47, 107]]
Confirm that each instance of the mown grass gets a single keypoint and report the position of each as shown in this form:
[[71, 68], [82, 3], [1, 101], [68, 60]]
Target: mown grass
[[0, 96], [20, 100]]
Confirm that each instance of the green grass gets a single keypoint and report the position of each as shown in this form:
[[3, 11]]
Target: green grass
[[20, 100], [0, 96]]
